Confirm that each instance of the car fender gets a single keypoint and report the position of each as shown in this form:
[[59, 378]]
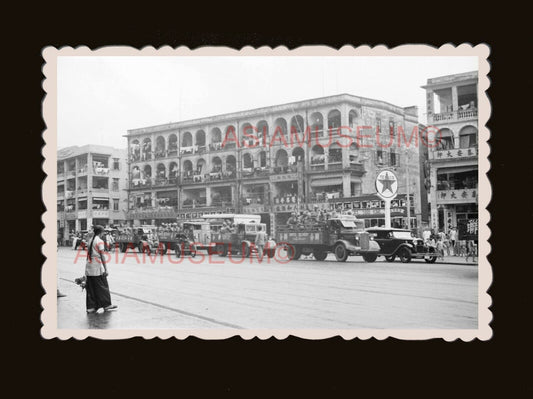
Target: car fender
[[373, 246], [349, 246], [248, 243], [404, 245]]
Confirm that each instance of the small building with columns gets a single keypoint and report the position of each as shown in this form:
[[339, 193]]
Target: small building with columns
[[91, 187], [452, 104], [273, 161]]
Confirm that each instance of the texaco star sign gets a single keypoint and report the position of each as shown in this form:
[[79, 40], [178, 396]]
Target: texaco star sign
[[387, 184]]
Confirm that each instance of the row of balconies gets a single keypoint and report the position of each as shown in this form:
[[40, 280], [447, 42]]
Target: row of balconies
[[98, 171], [195, 177], [148, 155]]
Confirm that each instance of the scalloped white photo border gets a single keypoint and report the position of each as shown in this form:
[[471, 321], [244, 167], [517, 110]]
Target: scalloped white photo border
[[49, 328]]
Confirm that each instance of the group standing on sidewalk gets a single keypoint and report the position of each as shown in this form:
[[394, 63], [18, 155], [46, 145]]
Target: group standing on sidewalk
[[449, 245]]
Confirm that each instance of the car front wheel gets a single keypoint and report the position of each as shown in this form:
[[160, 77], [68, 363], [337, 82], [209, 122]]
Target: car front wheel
[[405, 255]]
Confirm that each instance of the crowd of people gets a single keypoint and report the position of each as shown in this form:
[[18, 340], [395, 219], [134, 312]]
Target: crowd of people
[[305, 219], [449, 245]]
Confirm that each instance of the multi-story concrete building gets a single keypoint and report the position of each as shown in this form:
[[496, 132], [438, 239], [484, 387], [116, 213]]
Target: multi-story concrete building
[[452, 108], [91, 187], [273, 161]]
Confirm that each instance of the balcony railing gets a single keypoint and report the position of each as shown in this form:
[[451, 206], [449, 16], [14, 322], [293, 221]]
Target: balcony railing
[[158, 154], [163, 181], [101, 171], [224, 203], [334, 164], [137, 184], [455, 115], [215, 146], [195, 203], [188, 150]]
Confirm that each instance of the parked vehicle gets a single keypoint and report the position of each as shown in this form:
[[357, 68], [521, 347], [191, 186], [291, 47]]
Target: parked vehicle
[[241, 240], [184, 246], [180, 242], [142, 238], [403, 244], [343, 236]]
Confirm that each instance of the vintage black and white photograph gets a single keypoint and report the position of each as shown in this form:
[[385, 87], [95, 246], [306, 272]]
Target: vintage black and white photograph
[[266, 192]]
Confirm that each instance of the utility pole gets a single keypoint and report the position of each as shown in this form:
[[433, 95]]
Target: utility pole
[[408, 192]]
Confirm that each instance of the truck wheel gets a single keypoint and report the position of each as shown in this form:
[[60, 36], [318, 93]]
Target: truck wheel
[[245, 251], [341, 253], [391, 258], [370, 257], [320, 254], [222, 250], [405, 255]]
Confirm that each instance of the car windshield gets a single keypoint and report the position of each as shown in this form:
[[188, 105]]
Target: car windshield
[[402, 234], [348, 224]]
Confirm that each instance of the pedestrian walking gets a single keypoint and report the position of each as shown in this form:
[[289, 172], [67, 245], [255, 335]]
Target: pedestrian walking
[[260, 240], [97, 288], [446, 243], [453, 240], [471, 249], [440, 248]]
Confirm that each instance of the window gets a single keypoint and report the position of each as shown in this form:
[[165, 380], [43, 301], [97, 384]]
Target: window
[[82, 204], [379, 157], [116, 164], [392, 158], [115, 184], [392, 128], [115, 204]]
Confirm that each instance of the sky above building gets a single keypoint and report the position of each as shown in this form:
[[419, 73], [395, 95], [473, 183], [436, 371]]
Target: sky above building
[[100, 98]]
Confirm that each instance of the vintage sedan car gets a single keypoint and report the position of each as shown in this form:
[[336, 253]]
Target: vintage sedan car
[[403, 244]]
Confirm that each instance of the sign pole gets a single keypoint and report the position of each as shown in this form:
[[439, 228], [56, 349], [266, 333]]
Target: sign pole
[[387, 213], [387, 189]]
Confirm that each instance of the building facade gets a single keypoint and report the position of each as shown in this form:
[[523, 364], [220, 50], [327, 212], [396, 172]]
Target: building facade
[[91, 187], [452, 104], [275, 160]]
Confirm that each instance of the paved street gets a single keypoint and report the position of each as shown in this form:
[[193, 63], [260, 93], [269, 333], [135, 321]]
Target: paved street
[[299, 294]]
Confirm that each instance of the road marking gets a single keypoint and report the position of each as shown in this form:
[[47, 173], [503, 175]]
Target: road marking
[[183, 312]]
